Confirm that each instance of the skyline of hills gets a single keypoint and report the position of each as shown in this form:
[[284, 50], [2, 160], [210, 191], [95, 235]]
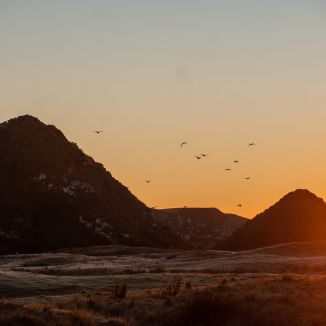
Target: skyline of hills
[[55, 196]]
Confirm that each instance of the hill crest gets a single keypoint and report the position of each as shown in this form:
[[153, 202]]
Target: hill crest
[[54, 196], [298, 216]]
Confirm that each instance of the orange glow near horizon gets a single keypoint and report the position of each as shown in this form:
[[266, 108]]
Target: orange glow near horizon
[[218, 76]]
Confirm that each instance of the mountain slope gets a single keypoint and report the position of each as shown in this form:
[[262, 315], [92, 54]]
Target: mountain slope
[[52, 195], [200, 227], [299, 216]]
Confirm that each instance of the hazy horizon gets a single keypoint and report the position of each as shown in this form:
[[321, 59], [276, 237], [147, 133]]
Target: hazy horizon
[[217, 74]]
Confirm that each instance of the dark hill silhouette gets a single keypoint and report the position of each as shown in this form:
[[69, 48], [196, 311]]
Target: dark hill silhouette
[[52, 195], [299, 216], [200, 227]]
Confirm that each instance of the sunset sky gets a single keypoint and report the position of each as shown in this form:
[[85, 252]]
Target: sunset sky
[[151, 74]]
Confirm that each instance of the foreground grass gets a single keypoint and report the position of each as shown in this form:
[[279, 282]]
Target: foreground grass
[[282, 300], [41, 314]]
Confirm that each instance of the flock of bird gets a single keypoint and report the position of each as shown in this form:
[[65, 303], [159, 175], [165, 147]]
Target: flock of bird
[[198, 157]]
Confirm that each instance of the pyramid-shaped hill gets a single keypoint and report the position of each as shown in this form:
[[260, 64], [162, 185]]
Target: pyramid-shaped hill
[[298, 216], [52, 196], [200, 228]]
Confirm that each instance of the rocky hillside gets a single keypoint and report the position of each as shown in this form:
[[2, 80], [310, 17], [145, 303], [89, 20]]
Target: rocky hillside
[[200, 227], [52, 195], [299, 216]]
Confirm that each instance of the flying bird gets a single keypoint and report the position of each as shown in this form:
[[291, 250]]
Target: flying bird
[[227, 169], [98, 131], [240, 205], [147, 181], [183, 144], [248, 178], [251, 144], [198, 157], [204, 155], [235, 162]]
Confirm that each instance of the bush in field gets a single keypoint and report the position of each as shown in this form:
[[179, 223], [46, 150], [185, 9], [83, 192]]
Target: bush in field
[[207, 307], [173, 288], [119, 291]]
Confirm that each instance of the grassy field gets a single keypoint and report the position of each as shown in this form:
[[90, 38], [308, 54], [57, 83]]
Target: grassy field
[[279, 285]]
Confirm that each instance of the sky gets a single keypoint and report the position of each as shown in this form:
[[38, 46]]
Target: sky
[[154, 73]]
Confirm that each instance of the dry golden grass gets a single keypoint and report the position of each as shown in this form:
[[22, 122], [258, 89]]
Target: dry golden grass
[[287, 299], [42, 314]]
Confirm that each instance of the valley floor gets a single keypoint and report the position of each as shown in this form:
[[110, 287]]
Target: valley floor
[[116, 285]]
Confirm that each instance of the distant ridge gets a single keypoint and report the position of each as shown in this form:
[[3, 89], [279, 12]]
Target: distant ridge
[[298, 216], [52, 195], [200, 228]]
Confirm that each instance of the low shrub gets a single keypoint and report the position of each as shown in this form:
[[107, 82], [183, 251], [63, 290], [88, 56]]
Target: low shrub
[[119, 291]]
